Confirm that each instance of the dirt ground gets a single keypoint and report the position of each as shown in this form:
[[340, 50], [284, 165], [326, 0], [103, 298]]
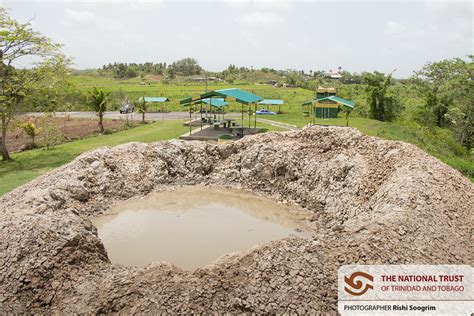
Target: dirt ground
[[368, 201], [72, 129]]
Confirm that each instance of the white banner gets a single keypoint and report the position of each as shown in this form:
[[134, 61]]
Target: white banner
[[405, 289]]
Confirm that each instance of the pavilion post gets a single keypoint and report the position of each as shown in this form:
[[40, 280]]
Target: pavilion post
[[201, 114], [190, 118], [255, 113], [250, 111], [242, 111]]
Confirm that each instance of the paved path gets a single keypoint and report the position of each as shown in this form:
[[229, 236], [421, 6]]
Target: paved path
[[151, 116], [156, 116], [278, 124]]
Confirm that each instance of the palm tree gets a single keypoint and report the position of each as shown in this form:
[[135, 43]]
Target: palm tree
[[140, 107], [98, 102]]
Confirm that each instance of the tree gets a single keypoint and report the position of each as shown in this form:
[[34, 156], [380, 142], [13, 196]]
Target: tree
[[383, 106], [98, 102], [19, 40], [140, 107], [186, 67], [447, 88], [171, 73]]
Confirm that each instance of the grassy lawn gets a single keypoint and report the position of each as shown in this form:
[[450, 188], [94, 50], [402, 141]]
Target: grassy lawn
[[30, 164]]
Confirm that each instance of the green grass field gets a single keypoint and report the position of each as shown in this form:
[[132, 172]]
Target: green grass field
[[177, 91]]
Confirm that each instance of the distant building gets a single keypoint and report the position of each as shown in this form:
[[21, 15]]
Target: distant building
[[333, 74], [326, 104], [272, 82], [203, 79]]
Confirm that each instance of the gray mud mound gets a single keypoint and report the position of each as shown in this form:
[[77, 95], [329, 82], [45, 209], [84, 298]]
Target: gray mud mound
[[369, 201]]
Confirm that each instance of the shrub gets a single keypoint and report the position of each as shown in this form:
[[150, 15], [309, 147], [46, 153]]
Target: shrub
[[31, 130], [51, 135]]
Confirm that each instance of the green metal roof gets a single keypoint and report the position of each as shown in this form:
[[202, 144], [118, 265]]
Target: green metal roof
[[240, 96], [335, 99], [186, 101], [155, 99], [215, 102], [271, 102]]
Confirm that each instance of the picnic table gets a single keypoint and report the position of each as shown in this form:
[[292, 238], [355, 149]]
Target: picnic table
[[228, 122]]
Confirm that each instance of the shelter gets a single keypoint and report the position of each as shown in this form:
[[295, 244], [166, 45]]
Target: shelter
[[327, 104], [268, 102], [156, 100], [218, 103], [238, 95]]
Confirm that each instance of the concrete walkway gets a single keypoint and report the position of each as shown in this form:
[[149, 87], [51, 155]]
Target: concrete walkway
[[149, 116], [156, 116], [278, 124]]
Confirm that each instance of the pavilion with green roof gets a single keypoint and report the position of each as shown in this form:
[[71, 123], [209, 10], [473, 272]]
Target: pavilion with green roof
[[217, 98], [155, 100], [268, 102]]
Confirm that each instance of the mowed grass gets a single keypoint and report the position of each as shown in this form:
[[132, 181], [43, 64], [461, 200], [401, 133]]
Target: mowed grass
[[30, 164]]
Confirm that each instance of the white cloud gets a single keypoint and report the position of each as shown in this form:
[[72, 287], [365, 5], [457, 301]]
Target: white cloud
[[78, 16], [261, 18], [83, 17], [393, 27]]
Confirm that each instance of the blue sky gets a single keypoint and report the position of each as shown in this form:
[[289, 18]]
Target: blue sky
[[303, 35]]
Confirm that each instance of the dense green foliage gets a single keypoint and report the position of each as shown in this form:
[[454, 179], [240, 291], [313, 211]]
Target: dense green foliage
[[382, 105], [183, 67], [448, 91]]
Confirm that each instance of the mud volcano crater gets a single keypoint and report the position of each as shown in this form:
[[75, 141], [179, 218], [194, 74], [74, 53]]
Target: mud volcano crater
[[366, 201]]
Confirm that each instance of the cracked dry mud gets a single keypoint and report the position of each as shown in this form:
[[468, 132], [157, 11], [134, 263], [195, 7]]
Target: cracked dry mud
[[368, 201]]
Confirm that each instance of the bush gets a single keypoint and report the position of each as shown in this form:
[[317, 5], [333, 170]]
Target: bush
[[108, 131], [51, 135], [263, 130], [31, 130], [225, 136]]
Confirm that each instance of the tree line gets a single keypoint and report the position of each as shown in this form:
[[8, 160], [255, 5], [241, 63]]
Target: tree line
[[183, 67]]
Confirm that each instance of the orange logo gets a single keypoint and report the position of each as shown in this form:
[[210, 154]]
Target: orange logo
[[360, 286]]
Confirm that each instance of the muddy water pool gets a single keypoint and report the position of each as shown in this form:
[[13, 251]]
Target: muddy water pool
[[192, 226]]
